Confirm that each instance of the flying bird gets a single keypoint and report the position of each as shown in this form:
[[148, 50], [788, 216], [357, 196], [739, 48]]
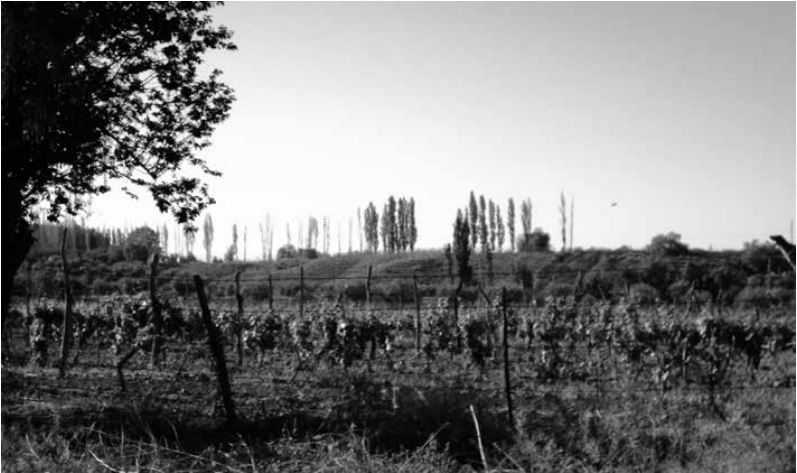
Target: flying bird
[[614, 204]]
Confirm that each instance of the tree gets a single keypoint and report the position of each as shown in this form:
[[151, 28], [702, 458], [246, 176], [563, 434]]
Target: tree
[[412, 226], [483, 233], [493, 225], [104, 90], [510, 222], [501, 232], [668, 244], [393, 225], [525, 216], [537, 240], [164, 238], [371, 228], [140, 244], [312, 233], [473, 216], [461, 248], [233, 251], [190, 240], [402, 241], [208, 231], [387, 233]]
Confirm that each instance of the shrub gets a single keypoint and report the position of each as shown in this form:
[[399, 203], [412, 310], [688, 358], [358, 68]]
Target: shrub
[[668, 245], [642, 293], [537, 240], [287, 252]]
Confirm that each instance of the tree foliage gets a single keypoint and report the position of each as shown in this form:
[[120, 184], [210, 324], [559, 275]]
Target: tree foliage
[[98, 91], [668, 244], [510, 222], [461, 247]]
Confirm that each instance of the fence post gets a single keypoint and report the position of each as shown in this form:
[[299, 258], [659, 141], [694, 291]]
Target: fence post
[[301, 292], [216, 350], [507, 382], [418, 327], [66, 331], [239, 316], [270, 293], [157, 316]]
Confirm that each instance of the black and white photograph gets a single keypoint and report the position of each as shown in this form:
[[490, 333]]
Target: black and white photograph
[[398, 236]]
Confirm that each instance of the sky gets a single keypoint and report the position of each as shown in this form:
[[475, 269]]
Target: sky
[[681, 113]]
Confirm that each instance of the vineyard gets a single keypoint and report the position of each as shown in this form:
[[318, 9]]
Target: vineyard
[[581, 383]]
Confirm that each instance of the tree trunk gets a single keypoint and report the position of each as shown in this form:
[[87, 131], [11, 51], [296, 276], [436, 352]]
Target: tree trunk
[[157, 316], [15, 246], [66, 331]]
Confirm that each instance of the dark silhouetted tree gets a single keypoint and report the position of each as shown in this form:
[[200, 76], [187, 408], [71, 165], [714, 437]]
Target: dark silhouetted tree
[[472, 214], [525, 216], [461, 248], [537, 240], [413, 229], [483, 231], [103, 89], [493, 225], [500, 232], [510, 222]]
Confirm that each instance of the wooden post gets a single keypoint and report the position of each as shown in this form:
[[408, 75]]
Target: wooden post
[[239, 317], [418, 327], [301, 292], [157, 316], [368, 287], [216, 349], [507, 383], [270, 293], [66, 330]]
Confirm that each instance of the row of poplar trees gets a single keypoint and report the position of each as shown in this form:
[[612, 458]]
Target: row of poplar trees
[[398, 229]]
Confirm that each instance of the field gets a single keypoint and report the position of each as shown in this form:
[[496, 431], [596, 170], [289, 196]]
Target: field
[[341, 386]]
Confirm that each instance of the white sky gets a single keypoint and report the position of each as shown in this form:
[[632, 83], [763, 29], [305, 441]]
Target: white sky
[[683, 113]]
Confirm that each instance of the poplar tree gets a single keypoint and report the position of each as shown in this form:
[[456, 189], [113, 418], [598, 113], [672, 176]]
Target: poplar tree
[[491, 207], [500, 232], [483, 232], [461, 247], [510, 222], [402, 240], [525, 216], [473, 214], [208, 233], [413, 228], [387, 230]]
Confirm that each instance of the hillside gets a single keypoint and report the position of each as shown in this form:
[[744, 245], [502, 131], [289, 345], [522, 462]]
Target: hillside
[[741, 276]]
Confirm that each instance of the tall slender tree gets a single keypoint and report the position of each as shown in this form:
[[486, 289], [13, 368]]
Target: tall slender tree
[[473, 214], [402, 242], [500, 232], [483, 231], [493, 226], [510, 222], [207, 228], [525, 216], [412, 227], [461, 247]]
